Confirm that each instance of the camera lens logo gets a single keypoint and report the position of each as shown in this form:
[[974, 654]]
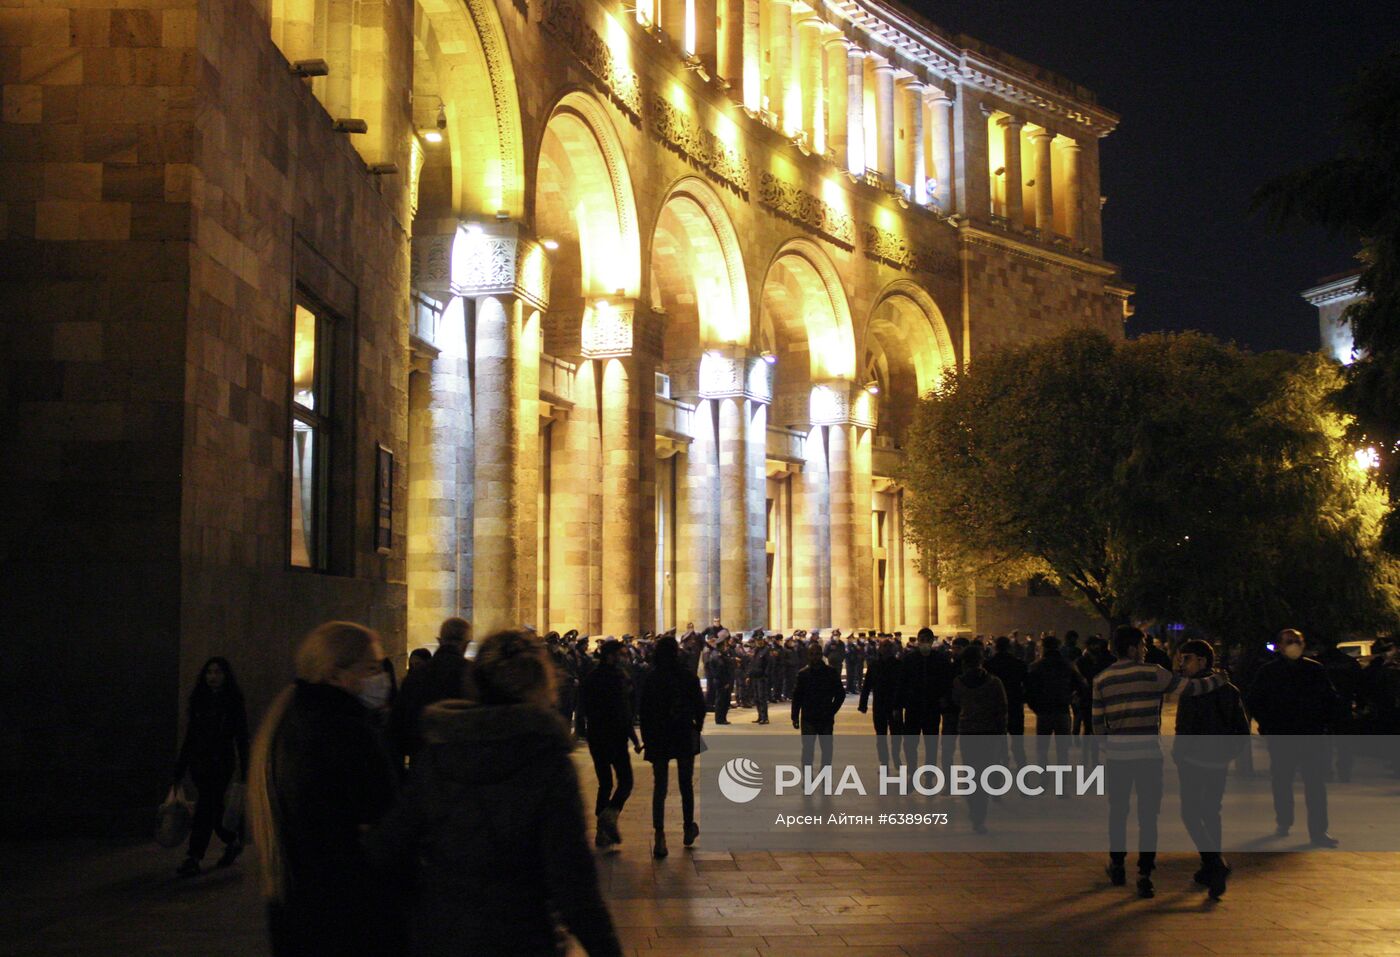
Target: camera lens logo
[[740, 780]]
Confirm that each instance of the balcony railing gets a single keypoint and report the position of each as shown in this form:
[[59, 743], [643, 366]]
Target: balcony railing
[[557, 378], [673, 419]]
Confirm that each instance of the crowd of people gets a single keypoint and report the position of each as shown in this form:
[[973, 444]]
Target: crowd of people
[[444, 814]]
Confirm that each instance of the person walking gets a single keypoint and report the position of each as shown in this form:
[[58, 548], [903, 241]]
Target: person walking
[[815, 701], [1294, 702], [925, 682], [835, 651], [760, 674], [1051, 684], [215, 746], [446, 675], [673, 715], [1210, 730], [981, 702], [882, 681], [319, 776], [490, 829], [1010, 670], [1127, 708], [606, 700]]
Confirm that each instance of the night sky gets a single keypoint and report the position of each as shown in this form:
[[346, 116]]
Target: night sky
[[1215, 99]]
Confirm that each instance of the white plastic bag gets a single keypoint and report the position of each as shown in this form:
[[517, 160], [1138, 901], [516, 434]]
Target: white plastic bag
[[173, 818]]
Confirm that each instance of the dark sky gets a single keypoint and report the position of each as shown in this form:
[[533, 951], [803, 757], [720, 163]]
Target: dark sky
[[1215, 99]]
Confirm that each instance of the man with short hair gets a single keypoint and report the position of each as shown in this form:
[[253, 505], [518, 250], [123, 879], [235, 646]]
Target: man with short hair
[[760, 674], [1011, 672], [1051, 684], [815, 701], [1294, 702], [446, 675], [1127, 709]]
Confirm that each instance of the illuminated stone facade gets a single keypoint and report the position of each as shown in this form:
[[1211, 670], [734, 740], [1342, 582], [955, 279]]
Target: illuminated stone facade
[[637, 299]]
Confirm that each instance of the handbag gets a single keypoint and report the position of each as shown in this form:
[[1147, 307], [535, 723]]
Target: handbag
[[173, 818], [233, 806]]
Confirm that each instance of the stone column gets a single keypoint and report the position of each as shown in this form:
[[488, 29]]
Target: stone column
[[973, 193], [855, 109], [836, 99], [706, 33], [673, 20], [751, 56], [809, 76], [941, 146], [811, 565], [862, 495], [507, 462], [914, 141], [1044, 186], [842, 479], [743, 426], [780, 50], [697, 509], [731, 51], [884, 122], [629, 492], [576, 511], [1011, 140], [1074, 198]]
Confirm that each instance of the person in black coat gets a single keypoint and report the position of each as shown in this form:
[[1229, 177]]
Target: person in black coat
[[882, 681], [722, 668], [605, 697], [673, 715], [760, 670], [1051, 684], [925, 690], [216, 744], [815, 701], [320, 776], [1294, 702], [490, 827], [1010, 670], [446, 675]]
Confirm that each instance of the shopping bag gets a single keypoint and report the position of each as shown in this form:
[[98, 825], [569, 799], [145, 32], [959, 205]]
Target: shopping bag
[[173, 818]]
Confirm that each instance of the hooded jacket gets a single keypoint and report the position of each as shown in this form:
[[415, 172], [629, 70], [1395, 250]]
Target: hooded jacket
[[492, 825], [981, 703]]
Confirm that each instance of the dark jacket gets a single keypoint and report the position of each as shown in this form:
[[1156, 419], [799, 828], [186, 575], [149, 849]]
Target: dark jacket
[[446, 675], [216, 739], [817, 698], [331, 776], [1051, 684], [981, 703], [881, 680], [492, 821], [606, 698], [672, 713], [1011, 672], [1292, 697], [1210, 728], [762, 664], [925, 681]]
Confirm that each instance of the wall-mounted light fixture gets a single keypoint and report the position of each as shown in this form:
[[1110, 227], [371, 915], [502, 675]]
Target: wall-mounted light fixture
[[350, 125], [550, 244], [873, 387], [383, 169], [432, 136], [308, 68]]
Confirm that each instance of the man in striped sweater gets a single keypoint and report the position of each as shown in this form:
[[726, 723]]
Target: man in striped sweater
[[1127, 710]]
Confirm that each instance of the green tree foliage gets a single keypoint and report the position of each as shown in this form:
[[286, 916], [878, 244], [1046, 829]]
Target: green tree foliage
[[1167, 477], [1357, 195]]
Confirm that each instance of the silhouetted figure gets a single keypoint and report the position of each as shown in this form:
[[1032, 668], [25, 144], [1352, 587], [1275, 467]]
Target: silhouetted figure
[[215, 746]]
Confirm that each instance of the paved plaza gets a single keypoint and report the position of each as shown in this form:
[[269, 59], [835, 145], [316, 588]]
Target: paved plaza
[[76, 898]]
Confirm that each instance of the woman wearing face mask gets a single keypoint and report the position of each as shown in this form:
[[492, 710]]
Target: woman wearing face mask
[[320, 778], [216, 743]]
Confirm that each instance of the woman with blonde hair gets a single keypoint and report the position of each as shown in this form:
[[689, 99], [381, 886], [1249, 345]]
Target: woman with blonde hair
[[492, 819], [320, 777]]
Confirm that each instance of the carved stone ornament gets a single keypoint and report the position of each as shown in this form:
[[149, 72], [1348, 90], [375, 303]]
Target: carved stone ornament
[[564, 21], [684, 133], [839, 402], [806, 210], [484, 260], [607, 328], [725, 376]]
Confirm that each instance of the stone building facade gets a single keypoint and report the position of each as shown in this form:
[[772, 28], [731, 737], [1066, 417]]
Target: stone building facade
[[565, 312], [1332, 296]]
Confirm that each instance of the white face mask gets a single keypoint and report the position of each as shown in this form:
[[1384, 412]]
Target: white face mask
[[1293, 652], [374, 691]]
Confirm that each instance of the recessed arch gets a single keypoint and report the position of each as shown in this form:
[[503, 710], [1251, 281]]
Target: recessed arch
[[906, 350], [805, 309], [697, 271], [583, 201], [466, 44]]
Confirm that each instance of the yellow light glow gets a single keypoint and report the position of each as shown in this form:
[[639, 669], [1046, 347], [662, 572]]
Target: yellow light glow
[[690, 32], [304, 358], [432, 136], [1364, 460], [646, 12]]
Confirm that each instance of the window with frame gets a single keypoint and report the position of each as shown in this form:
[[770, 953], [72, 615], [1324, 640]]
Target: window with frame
[[311, 437]]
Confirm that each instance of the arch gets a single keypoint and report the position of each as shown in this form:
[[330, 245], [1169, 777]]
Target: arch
[[697, 270], [466, 43], [804, 307], [583, 199], [905, 310]]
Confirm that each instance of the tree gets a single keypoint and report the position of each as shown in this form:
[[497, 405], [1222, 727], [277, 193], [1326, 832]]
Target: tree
[[1169, 477], [1357, 195]]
